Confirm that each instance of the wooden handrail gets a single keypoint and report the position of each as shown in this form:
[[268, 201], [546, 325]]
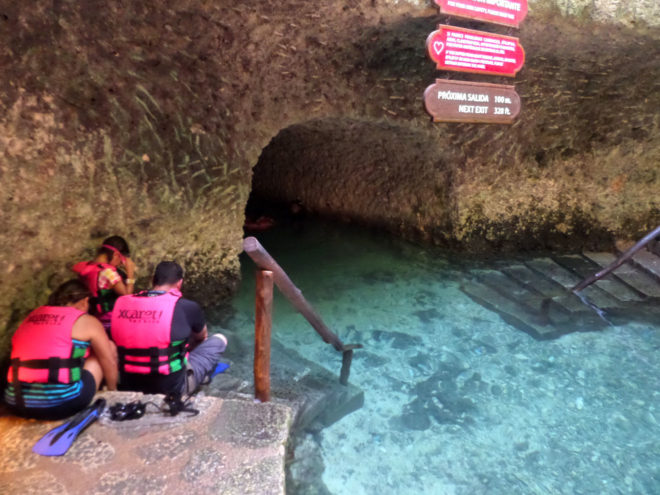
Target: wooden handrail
[[265, 261], [618, 262]]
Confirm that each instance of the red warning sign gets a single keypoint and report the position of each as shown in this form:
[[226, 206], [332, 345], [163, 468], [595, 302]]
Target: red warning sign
[[465, 50], [507, 12]]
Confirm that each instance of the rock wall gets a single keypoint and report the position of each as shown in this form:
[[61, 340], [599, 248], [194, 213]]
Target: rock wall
[[631, 13], [579, 167], [146, 119]]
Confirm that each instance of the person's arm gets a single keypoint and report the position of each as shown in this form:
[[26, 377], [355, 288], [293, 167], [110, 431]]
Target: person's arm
[[88, 328], [123, 288], [201, 335], [194, 318]]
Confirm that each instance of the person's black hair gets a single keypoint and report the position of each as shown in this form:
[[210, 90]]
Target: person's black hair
[[167, 272], [117, 242], [69, 292]]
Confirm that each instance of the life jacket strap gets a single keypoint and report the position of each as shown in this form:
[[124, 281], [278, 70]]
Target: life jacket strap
[[126, 356], [18, 392], [52, 364]]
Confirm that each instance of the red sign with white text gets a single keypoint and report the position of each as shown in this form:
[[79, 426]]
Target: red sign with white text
[[465, 50], [507, 12]]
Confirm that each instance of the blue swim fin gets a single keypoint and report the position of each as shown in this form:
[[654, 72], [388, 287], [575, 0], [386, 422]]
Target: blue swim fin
[[58, 440], [220, 368]]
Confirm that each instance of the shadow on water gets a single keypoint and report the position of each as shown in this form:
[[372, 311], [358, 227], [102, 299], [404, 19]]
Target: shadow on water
[[459, 397]]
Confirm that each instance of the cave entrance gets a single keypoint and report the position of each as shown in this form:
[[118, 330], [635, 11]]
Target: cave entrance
[[365, 172], [297, 174]]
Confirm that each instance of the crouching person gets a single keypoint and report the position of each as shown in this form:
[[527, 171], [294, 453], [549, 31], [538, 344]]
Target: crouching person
[[59, 357], [162, 341]]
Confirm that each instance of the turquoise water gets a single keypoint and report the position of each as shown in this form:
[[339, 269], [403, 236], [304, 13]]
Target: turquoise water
[[457, 401]]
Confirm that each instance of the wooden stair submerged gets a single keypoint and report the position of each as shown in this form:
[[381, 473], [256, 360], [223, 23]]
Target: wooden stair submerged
[[534, 295]]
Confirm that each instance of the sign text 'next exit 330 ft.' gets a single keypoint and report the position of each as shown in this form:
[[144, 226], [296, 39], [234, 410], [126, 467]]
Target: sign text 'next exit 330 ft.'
[[464, 101]]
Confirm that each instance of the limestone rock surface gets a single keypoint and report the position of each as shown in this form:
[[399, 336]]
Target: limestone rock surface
[[148, 120]]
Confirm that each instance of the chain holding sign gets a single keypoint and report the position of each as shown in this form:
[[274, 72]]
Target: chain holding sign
[[506, 12], [466, 50], [464, 101]]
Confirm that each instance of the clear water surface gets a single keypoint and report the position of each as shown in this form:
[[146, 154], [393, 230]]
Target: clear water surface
[[457, 401]]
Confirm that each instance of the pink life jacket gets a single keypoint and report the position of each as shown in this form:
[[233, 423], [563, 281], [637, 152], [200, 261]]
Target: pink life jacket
[[42, 347], [141, 327], [88, 271], [102, 301]]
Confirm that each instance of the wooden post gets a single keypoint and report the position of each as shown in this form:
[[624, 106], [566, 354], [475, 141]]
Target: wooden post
[[346, 359], [264, 261], [263, 323]]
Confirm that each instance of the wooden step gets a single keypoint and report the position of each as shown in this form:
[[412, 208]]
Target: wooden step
[[513, 313], [534, 296], [532, 312], [648, 261], [545, 285], [645, 312], [543, 308], [612, 284], [568, 279], [630, 273]]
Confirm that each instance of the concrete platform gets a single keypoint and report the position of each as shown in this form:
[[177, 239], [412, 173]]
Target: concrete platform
[[234, 446]]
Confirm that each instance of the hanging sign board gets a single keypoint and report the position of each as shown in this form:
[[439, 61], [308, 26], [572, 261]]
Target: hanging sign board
[[466, 50], [507, 12], [463, 101]]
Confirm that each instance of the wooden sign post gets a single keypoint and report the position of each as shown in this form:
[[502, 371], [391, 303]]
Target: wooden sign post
[[506, 12], [466, 50], [463, 101]]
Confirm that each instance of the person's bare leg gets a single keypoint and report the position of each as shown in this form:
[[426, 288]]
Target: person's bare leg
[[94, 367]]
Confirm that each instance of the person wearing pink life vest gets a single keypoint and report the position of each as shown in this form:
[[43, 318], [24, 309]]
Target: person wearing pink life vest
[[162, 340], [103, 279], [59, 357]]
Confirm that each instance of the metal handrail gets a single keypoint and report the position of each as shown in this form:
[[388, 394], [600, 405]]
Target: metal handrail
[[265, 261], [618, 262]]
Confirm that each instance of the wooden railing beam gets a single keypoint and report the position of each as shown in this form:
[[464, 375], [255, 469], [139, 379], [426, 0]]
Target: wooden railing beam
[[265, 261], [267, 265]]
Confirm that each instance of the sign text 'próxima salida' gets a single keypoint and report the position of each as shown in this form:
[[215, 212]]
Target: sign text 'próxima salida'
[[463, 101]]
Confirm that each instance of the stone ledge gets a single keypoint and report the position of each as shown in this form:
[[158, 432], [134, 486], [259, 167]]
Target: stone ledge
[[233, 446]]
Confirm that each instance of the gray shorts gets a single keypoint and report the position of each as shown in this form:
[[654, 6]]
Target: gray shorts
[[202, 361]]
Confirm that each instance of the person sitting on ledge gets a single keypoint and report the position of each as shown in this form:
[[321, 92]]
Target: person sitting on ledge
[[162, 339], [103, 279], [52, 374]]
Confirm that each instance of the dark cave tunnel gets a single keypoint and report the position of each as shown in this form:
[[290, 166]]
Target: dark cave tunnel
[[363, 172]]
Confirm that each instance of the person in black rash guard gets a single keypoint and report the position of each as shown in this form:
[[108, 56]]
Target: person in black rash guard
[[162, 339]]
